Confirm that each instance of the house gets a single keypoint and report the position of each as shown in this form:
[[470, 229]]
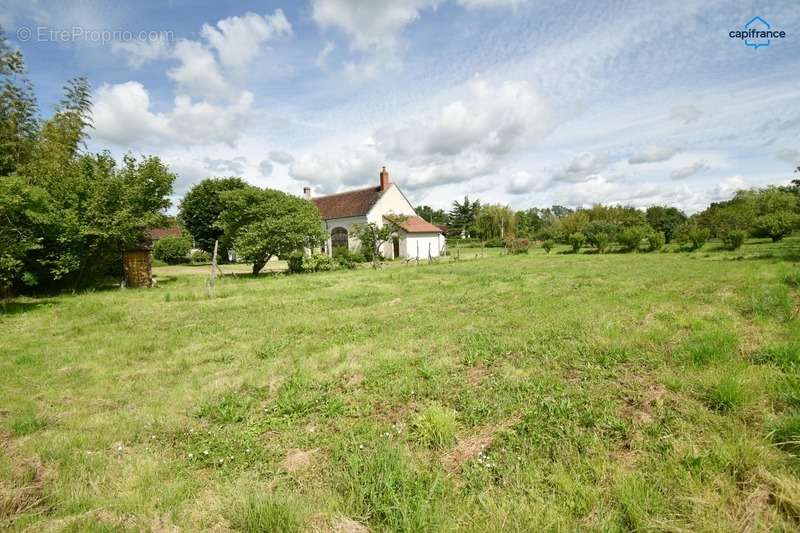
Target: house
[[342, 212]]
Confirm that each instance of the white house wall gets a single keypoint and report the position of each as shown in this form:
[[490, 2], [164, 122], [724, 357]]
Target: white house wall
[[346, 223], [392, 202], [414, 243]]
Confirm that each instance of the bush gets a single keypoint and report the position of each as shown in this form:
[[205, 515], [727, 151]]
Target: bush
[[295, 262], [344, 258], [655, 241], [548, 245], [631, 238], [776, 226], [600, 234], [172, 250], [517, 246], [576, 240], [496, 242], [317, 263], [200, 256], [733, 240], [692, 234]]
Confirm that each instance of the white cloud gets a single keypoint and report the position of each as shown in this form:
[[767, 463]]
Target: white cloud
[[582, 167], [122, 115], [523, 182], [445, 171], [139, 52], [236, 166], [327, 172], [265, 168], [685, 113], [279, 156], [789, 155], [653, 154], [493, 120], [477, 4], [238, 39], [690, 170], [370, 25], [322, 57], [198, 74]]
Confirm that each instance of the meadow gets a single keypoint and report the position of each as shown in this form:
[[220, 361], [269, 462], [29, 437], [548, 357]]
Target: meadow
[[613, 392]]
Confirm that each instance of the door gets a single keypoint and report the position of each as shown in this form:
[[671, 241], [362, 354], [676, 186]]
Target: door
[[396, 247]]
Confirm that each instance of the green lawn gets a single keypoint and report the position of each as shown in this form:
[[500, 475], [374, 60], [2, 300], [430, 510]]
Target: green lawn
[[541, 392]]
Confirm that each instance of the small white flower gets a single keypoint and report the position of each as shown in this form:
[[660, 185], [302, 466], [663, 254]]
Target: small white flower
[[247, 450], [206, 452], [360, 446], [221, 461], [191, 455]]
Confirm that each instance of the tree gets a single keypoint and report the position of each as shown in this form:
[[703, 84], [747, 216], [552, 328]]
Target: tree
[[24, 213], [172, 250], [264, 223], [665, 219], [19, 123], [631, 238], [373, 237], [66, 132], [495, 221], [690, 232], [434, 216], [462, 216], [775, 225], [576, 240], [529, 222], [600, 234], [200, 209]]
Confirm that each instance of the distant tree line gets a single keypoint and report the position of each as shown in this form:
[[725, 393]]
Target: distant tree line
[[772, 212]]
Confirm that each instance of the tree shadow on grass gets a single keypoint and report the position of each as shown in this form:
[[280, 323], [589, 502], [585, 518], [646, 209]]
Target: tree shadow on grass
[[10, 307]]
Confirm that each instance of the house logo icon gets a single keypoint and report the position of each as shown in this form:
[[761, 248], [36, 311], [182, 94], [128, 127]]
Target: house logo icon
[[757, 33], [760, 25]]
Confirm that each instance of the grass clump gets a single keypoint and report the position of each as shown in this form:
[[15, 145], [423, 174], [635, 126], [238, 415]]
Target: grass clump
[[786, 433], [384, 490], [26, 422], [727, 393], [265, 513], [231, 407], [769, 301], [709, 346], [785, 356], [435, 427]]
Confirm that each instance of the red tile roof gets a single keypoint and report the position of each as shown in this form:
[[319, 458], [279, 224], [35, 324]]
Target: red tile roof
[[160, 233], [347, 204], [414, 225]]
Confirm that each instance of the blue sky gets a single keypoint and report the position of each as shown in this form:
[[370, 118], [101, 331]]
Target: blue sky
[[527, 103]]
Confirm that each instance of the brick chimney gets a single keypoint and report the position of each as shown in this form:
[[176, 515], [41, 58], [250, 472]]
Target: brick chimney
[[307, 192], [384, 179]]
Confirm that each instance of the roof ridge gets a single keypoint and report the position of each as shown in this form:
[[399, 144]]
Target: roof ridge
[[345, 192]]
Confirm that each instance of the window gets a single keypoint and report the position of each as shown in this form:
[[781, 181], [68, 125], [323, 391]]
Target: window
[[339, 238]]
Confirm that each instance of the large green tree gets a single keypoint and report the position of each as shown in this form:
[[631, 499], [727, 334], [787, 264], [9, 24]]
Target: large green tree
[[19, 124], [263, 223], [665, 219], [495, 221], [200, 209], [463, 215]]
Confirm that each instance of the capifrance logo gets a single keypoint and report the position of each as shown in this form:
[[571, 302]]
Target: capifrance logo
[[757, 33]]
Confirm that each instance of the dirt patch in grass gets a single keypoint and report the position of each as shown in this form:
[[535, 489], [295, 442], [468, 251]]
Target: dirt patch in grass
[[343, 525], [477, 375], [25, 491], [297, 460], [353, 381], [477, 440]]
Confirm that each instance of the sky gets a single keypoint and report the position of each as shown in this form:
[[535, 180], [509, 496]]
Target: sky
[[525, 103]]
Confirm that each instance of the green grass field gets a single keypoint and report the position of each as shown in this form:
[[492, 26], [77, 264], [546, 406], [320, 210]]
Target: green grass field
[[612, 392]]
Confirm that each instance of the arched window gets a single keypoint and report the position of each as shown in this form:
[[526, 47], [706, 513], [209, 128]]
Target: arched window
[[339, 238]]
